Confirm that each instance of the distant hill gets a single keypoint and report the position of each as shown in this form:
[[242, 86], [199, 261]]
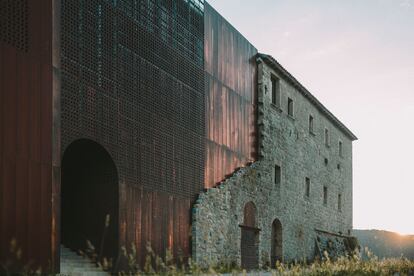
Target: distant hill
[[385, 244]]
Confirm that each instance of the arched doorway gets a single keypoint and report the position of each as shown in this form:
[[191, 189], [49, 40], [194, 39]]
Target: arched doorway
[[89, 193], [249, 238], [277, 242]]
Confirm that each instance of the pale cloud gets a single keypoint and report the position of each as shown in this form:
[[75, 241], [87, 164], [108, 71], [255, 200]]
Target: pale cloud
[[406, 3]]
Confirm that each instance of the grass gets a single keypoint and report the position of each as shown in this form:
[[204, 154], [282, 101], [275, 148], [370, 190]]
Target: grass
[[154, 265], [349, 265]]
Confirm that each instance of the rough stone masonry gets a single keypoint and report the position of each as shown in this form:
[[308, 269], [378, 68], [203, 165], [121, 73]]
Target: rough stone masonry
[[302, 182]]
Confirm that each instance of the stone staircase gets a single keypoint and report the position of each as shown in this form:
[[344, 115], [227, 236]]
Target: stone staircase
[[73, 264]]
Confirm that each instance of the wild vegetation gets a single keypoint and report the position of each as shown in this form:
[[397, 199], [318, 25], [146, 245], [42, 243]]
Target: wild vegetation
[[154, 265], [359, 263], [350, 265]]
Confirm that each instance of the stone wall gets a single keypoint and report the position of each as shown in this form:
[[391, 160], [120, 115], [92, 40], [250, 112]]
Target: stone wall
[[285, 141]]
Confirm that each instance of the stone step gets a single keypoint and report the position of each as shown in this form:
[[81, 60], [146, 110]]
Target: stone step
[[75, 259], [73, 264]]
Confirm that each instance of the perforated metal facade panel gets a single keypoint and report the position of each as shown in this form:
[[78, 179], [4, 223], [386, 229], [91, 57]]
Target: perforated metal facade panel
[[133, 80], [14, 23]]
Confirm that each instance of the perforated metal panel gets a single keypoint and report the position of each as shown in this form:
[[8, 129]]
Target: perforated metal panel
[[133, 81], [14, 23]]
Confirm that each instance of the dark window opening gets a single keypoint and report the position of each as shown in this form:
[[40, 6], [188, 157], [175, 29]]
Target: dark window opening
[[338, 166], [326, 137], [307, 186], [325, 195], [290, 107], [339, 202], [275, 91], [278, 174], [340, 148], [310, 124], [326, 161]]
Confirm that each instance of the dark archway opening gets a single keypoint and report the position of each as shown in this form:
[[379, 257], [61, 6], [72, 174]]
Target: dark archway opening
[[89, 192], [249, 238], [277, 242]]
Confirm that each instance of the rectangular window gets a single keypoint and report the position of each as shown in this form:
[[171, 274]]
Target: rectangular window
[[310, 124], [307, 187], [275, 91], [290, 107], [326, 137], [277, 174], [325, 195], [340, 148], [339, 202]]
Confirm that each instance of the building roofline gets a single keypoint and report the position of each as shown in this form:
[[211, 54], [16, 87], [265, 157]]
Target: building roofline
[[269, 60]]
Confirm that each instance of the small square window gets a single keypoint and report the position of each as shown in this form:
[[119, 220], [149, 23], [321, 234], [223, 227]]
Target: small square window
[[290, 107], [277, 175], [325, 195], [307, 187]]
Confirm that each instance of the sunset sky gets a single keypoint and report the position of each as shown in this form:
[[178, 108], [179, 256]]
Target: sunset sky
[[357, 58]]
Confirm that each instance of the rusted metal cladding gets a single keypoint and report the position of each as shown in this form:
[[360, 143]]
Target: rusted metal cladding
[[157, 217], [230, 75], [26, 125], [133, 81]]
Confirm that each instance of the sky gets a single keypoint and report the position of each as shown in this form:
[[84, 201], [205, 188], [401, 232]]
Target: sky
[[357, 58]]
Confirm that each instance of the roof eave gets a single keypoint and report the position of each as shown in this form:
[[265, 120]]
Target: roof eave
[[279, 68]]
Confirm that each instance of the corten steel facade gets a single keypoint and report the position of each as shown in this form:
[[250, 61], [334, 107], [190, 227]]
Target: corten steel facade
[[126, 108], [135, 82], [29, 130], [230, 72]]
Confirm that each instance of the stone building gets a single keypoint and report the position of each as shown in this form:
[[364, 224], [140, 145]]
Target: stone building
[[295, 201]]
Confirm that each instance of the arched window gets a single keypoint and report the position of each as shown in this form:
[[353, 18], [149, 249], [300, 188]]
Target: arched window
[[249, 214]]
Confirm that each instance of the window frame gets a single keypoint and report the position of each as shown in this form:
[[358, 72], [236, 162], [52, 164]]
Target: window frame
[[291, 107], [277, 174], [339, 202], [276, 94], [327, 137], [325, 195], [311, 124], [307, 187], [340, 148]]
